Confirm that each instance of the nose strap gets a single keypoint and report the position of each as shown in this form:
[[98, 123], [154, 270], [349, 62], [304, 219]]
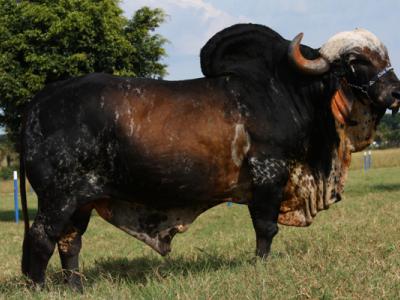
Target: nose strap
[[379, 75], [364, 87]]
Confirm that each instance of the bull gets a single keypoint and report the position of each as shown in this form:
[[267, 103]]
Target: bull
[[272, 125]]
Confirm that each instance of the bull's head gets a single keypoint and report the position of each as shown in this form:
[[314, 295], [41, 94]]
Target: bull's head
[[360, 62]]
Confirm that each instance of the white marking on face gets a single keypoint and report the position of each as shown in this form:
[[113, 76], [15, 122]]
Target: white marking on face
[[240, 145], [345, 42], [266, 171]]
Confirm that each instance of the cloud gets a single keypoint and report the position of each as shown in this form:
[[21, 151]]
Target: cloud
[[191, 22]]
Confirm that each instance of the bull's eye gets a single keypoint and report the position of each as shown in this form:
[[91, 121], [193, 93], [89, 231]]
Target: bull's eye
[[360, 62], [361, 69]]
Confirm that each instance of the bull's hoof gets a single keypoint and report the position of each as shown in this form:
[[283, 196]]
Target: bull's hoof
[[35, 286], [74, 280], [262, 257], [263, 253], [76, 285]]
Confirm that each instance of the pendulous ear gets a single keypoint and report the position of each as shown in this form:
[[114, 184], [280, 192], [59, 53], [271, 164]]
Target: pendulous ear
[[341, 106]]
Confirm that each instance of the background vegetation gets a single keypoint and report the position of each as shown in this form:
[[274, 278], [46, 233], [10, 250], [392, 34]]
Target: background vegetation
[[388, 134], [351, 251], [42, 41]]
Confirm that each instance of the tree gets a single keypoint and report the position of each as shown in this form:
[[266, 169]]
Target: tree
[[44, 41], [388, 133]]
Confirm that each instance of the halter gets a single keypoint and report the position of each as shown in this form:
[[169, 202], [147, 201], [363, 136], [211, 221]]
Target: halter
[[366, 86]]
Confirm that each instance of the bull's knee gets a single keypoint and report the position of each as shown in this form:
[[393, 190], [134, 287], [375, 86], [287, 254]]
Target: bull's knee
[[41, 244], [70, 243]]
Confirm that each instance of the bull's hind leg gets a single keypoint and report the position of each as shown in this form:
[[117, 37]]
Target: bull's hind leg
[[69, 246], [37, 250], [41, 238]]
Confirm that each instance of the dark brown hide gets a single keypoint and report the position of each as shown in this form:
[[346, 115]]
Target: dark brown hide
[[188, 124], [191, 125]]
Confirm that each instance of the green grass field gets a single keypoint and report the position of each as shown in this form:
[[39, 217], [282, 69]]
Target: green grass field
[[351, 251]]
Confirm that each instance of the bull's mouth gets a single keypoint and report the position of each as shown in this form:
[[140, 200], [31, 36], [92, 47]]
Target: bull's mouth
[[395, 106]]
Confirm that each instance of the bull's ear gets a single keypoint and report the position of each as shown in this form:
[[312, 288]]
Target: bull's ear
[[341, 106]]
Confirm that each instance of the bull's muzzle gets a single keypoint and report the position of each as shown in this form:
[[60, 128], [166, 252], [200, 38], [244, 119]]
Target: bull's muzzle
[[395, 106]]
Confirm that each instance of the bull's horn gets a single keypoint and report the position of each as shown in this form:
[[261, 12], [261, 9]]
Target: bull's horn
[[313, 67]]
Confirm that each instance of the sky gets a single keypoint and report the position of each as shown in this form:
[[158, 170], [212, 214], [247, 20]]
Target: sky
[[190, 23]]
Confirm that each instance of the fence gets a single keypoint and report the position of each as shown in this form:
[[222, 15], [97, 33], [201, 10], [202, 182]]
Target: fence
[[367, 160]]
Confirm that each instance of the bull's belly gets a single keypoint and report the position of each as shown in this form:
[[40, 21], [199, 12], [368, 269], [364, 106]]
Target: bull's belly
[[155, 227], [156, 224]]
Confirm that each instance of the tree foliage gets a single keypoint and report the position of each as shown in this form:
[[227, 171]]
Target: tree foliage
[[44, 41], [388, 133]]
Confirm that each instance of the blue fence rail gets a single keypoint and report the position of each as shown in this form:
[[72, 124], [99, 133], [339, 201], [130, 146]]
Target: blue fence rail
[[12, 190]]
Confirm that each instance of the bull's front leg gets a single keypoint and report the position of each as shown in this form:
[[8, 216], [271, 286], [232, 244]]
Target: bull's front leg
[[269, 180]]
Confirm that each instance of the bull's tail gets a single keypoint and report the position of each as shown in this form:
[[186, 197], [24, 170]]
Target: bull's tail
[[22, 189]]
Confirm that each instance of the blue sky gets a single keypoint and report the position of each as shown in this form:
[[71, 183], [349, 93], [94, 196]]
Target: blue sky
[[191, 23]]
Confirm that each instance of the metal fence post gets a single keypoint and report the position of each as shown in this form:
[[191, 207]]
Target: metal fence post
[[369, 159], [365, 161]]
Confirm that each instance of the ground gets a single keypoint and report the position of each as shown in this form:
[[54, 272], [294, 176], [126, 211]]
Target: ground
[[351, 251]]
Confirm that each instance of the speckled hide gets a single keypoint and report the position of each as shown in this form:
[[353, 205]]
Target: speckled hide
[[310, 191]]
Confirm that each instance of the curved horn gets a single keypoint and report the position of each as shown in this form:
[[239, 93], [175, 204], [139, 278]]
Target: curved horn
[[312, 67]]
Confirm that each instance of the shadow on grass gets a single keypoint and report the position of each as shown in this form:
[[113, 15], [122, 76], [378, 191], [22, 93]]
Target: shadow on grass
[[385, 187], [136, 271], [141, 270], [371, 188], [9, 215]]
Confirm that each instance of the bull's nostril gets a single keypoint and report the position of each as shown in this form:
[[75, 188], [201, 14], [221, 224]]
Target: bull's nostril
[[396, 94]]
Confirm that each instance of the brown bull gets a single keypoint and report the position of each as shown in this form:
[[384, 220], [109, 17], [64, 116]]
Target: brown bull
[[272, 125]]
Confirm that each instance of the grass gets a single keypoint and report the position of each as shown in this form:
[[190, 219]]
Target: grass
[[351, 251]]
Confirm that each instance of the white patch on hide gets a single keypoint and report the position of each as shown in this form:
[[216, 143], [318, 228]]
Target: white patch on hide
[[240, 145], [345, 42]]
